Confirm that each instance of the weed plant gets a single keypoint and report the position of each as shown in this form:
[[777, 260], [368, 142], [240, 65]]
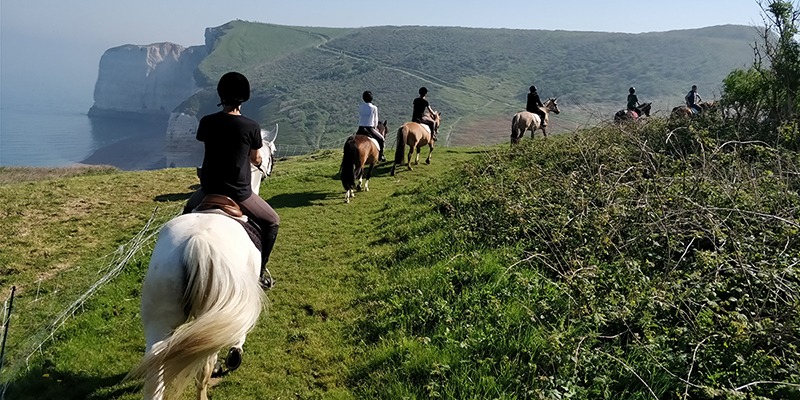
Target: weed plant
[[656, 260]]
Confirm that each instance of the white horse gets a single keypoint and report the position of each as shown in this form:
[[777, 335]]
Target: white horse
[[201, 294], [258, 174]]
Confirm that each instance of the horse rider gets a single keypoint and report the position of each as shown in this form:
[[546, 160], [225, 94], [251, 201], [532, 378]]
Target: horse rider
[[533, 105], [368, 122], [423, 111], [693, 100], [633, 101], [231, 143]]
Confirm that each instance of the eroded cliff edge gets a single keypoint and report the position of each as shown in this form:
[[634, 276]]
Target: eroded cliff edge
[[149, 80]]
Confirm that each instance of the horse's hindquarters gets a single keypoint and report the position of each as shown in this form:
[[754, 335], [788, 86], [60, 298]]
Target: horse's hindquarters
[[181, 282]]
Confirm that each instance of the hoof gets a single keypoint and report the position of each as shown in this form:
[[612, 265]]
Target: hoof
[[428, 162], [234, 358], [218, 371]]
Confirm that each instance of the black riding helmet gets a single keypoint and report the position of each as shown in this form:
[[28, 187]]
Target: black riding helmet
[[233, 89], [632, 89], [367, 96], [533, 89], [423, 91]]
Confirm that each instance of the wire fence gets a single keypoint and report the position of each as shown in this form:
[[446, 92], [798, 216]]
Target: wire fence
[[40, 311]]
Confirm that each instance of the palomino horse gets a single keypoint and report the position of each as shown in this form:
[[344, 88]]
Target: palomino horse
[[638, 112], [528, 121], [201, 294], [414, 135], [359, 150], [684, 111]]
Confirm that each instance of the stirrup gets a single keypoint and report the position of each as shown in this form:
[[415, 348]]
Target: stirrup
[[266, 282]]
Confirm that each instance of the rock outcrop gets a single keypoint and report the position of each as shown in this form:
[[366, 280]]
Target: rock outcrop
[[146, 80], [181, 147]]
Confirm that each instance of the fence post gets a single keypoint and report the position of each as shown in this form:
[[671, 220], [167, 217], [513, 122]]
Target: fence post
[[6, 323]]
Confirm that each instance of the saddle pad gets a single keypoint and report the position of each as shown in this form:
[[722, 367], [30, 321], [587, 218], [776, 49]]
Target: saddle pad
[[634, 114], [375, 142], [427, 128]]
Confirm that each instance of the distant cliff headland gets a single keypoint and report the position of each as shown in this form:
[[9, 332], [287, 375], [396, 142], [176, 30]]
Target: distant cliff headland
[[309, 80]]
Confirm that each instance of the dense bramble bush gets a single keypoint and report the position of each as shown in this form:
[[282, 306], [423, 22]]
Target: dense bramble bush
[[639, 261]]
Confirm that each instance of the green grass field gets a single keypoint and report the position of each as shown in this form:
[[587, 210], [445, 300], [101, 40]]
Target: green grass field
[[640, 261], [305, 344]]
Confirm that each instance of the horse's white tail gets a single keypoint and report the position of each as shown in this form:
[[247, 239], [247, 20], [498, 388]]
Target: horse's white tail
[[223, 306]]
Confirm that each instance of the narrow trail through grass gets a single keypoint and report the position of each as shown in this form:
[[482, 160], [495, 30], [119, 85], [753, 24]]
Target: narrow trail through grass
[[306, 341]]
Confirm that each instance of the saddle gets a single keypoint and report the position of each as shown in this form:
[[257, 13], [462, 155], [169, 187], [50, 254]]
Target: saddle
[[226, 205], [218, 201]]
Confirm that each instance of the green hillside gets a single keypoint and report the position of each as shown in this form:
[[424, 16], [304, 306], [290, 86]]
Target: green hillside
[[309, 80]]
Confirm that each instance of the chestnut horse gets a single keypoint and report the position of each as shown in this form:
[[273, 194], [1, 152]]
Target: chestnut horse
[[684, 111], [414, 135], [638, 112], [528, 121], [358, 151]]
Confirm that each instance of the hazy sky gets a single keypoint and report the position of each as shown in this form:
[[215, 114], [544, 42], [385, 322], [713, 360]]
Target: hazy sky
[[49, 46]]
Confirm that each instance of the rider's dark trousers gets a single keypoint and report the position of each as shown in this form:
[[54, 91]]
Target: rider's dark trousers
[[373, 133], [538, 112], [256, 209], [427, 121]]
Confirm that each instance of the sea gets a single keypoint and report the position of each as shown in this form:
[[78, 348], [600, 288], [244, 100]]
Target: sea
[[60, 133]]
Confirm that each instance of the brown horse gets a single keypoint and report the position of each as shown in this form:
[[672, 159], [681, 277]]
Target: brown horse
[[528, 121], [684, 111], [638, 112], [415, 136], [358, 151]]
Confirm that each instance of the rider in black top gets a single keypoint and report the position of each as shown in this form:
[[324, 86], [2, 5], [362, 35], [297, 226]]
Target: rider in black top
[[231, 143], [419, 116], [533, 105]]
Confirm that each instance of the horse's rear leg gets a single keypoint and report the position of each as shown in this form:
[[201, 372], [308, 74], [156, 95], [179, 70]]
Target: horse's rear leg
[[428, 161], [204, 377], [369, 174], [410, 155]]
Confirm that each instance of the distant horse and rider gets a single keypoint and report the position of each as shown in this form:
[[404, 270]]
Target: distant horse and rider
[[527, 121], [415, 135], [360, 150], [686, 111], [643, 110], [694, 105]]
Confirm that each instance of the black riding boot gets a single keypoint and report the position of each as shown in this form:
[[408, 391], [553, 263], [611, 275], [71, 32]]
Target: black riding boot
[[267, 243]]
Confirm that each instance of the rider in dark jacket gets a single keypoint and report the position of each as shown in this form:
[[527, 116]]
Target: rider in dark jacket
[[534, 104], [633, 101], [421, 106], [693, 100]]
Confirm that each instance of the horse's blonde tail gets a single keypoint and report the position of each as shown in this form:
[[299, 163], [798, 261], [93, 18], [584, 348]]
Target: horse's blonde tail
[[402, 135], [223, 306]]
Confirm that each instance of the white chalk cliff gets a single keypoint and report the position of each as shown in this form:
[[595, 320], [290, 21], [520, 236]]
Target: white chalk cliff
[[145, 80], [181, 147]]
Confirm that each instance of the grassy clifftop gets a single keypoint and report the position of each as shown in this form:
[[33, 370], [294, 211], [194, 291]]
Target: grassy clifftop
[[310, 79], [640, 261]]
